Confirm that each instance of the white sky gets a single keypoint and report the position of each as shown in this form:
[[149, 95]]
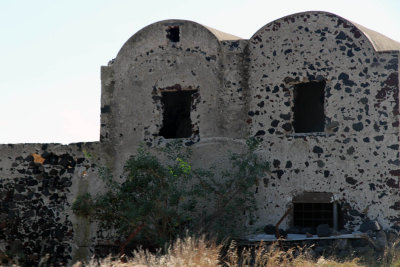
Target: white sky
[[51, 51]]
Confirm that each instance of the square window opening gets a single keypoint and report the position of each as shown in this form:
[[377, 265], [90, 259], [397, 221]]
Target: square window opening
[[176, 114], [309, 115], [312, 214], [173, 34]]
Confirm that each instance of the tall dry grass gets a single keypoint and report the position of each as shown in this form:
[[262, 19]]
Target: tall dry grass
[[200, 252]]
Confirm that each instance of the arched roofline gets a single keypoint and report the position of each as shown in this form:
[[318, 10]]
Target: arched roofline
[[221, 36], [378, 42], [216, 34]]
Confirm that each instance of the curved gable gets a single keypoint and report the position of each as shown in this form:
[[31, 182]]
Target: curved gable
[[311, 47], [167, 64], [327, 24], [379, 41], [155, 35]]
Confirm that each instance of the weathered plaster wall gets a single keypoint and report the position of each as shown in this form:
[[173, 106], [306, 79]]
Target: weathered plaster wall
[[38, 184], [148, 64], [245, 88], [233, 104], [357, 156]]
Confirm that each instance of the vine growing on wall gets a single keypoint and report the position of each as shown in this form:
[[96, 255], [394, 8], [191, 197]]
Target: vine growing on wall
[[159, 200]]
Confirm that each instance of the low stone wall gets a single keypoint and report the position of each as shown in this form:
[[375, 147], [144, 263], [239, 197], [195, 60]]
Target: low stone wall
[[38, 184]]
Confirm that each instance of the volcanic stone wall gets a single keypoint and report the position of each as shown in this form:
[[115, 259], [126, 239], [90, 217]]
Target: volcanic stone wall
[[356, 155], [247, 88], [38, 184], [239, 89]]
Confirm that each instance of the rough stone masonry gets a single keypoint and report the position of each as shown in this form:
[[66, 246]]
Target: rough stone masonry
[[321, 92]]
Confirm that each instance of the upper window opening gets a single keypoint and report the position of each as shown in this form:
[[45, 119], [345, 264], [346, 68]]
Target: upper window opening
[[176, 114], [308, 107], [173, 34]]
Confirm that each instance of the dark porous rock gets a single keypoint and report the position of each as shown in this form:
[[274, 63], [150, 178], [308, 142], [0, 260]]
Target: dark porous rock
[[59, 234], [351, 180], [319, 250], [312, 254], [282, 233], [269, 229], [63, 162], [294, 230], [335, 233], [372, 225], [326, 242], [324, 230], [360, 242], [308, 230], [343, 254], [332, 125], [46, 154], [29, 158], [358, 126], [381, 242], [391, 236], [341, 244], [371, 233], [318, 150], [363, 251], [16, 246], [287, 127], [354, 212], [345, 231], [19, 197]]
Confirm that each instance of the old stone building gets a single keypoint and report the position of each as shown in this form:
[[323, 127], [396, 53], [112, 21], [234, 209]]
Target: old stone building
[[320, 91]]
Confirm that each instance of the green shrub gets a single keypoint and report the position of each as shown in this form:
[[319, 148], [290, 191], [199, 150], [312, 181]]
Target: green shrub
[[160, 200]]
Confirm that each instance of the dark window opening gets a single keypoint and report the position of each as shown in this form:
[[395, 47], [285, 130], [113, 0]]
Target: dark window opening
[[308, 107], [173, 34], [176, 114], [313, 214]]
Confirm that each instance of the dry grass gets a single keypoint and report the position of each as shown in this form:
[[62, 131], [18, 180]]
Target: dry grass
[[184, 252], [200, 252], [270, 256]]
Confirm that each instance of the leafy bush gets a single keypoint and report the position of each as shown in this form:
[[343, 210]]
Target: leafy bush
[[160, 200]]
